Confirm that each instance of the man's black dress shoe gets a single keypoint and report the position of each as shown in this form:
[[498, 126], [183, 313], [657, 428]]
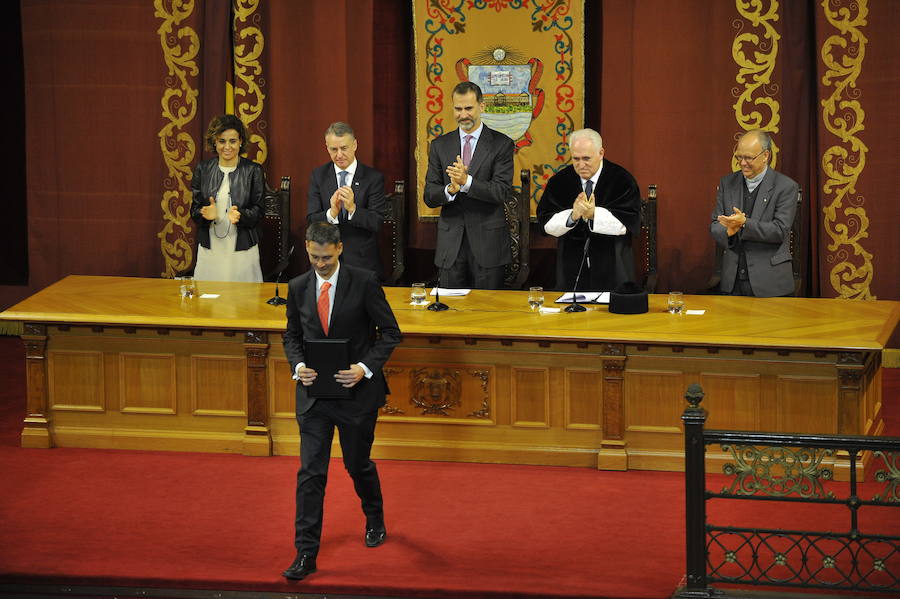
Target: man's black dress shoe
[[375, 535], [303, 566]]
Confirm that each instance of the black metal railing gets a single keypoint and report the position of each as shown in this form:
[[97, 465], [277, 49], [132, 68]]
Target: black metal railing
[[796, 470]]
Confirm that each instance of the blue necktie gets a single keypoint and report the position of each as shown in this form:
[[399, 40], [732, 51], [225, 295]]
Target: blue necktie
[[343, 215]]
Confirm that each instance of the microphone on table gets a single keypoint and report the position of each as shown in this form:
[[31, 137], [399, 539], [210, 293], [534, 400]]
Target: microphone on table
[[437, 305], [277, 300], [576, 307]]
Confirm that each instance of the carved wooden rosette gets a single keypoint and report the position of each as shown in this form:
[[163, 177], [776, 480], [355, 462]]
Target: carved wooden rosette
[[440, 392], [257, 437]]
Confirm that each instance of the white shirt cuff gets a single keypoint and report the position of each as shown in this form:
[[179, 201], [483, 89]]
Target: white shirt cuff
[[607, 224], [557, 226], [465, 188], [333, 221], [297, 368], [366, 368]]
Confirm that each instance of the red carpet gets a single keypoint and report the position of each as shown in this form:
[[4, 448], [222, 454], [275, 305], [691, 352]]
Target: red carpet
[[212, 521]]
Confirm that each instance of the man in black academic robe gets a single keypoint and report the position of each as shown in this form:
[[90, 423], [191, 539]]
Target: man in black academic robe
[[597, 199]]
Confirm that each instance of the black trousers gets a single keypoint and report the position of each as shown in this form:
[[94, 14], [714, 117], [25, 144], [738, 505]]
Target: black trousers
[[356, 432], [467, 273]]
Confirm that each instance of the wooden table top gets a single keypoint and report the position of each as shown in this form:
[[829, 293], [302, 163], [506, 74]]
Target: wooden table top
[[800, 323]]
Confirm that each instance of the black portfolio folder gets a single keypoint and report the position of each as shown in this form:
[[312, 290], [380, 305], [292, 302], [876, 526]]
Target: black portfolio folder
[[326, 357]]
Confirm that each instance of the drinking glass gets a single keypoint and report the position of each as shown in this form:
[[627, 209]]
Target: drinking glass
[[535, 297], [188, 287], [675, 304], [417, 294]]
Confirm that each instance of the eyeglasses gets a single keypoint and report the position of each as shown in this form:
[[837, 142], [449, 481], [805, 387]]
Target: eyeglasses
[[747, 159]]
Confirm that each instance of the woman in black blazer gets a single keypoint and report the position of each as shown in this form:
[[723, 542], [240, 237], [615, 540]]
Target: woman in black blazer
[[227, 209]]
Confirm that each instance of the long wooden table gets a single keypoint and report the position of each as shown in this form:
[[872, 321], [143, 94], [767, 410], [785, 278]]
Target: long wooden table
[[118, 362]]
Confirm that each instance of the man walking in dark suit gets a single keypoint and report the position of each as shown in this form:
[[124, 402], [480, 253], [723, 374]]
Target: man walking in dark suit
[[349, 194], [470, 177], [752, 222], [337, 301]]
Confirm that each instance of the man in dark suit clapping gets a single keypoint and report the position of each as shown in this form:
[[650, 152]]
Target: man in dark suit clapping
[[349, 194], [469, 178], [337, 301]]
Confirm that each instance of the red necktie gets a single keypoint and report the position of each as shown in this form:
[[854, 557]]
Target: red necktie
[[323, 306], [467, 150]]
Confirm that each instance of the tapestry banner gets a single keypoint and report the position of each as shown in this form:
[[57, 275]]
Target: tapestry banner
[[528, 59]]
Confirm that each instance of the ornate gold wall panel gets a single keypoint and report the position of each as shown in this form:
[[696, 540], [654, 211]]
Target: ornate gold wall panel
[[755, 51], [845, 218], [180, 45], [249, 98]]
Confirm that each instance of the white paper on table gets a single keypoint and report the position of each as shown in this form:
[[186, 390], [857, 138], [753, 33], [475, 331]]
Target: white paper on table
[[544, 310], [451, 292], [593, 297], [695, 312], [209, 295]]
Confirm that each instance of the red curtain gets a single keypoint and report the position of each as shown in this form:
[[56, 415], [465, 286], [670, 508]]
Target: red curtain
[[661, 89]]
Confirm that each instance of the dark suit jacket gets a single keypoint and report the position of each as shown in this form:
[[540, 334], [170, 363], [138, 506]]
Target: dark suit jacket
[[479, 213], [765, 238], [360, 309], [360, 234]]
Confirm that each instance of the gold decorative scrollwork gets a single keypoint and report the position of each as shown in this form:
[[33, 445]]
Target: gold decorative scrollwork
[[248, 76], [777, 471], [485, 410], [755, 52], [842, 114], [180, 45], [890, 476]]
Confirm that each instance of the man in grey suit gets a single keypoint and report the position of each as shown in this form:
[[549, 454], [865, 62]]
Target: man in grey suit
[[752, 222], [349, 194], [469, 178]]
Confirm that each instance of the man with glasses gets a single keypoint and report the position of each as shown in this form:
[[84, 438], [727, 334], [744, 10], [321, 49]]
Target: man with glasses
[[752, 222]]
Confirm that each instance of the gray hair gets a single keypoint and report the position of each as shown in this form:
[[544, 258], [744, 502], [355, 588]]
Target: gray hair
[[339, 129], [765, 140], [588, 134]]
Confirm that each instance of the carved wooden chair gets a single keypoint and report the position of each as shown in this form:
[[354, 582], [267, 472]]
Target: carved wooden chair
[[645, 250], [712, 286], [392, 237], [275, 230], [518, 219]]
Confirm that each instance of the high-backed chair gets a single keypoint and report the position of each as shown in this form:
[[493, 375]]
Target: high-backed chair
[[518, 219], [392, 237], [275, 230], [645, 252], [712, 286]]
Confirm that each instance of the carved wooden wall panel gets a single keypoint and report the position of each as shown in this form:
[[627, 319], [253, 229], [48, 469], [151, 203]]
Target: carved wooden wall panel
[[732, 400], [281, 389], [76, 380], [806, 404], [583, 399], [218, 386], [147, 383], [530, 392], [653, 400]]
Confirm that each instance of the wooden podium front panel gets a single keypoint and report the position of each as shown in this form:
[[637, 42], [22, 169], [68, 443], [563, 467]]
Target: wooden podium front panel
[[139, 389], [125, 363]]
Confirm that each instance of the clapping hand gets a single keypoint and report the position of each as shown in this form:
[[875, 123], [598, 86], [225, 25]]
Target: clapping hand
[[458, 173], [209, 211], [733, 222]]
